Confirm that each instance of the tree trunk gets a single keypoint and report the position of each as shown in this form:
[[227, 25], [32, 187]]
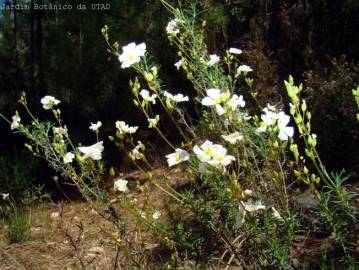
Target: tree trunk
[[17, 50], [32, 48], [275, 25], [39, 43]]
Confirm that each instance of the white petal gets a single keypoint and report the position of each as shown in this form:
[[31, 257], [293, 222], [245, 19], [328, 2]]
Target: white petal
[[220, 109], [207, 101], [213, 93]]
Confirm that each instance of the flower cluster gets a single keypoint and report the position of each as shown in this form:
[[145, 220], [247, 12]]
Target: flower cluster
[[175, 98], [271, 118], [172, 28], [213, 154], [124, 128], [137, 152], [233, 138], [222, 101]]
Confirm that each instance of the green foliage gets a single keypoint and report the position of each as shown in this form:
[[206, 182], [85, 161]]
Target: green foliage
[[19, 228], [18, 224], [241, 169], [356, 97], [18, 170]]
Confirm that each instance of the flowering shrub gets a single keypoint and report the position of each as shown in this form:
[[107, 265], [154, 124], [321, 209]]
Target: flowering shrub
[[243, 169]]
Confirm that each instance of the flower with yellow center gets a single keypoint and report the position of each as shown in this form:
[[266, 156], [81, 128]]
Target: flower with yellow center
[[132, 54], [214, 98], [177, 157]]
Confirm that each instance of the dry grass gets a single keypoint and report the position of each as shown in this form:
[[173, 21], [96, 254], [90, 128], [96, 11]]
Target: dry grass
[[49, 248]]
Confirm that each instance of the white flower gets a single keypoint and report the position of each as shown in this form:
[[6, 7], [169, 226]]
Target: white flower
[[284, 131], [136, 152], [68, 158], [243, 69], [204, 152], [276, 214], [179, 63], [95, 127], [131, 54], [249, 206], [143, 214], [172, 27], [235, 51], [60, 131], [213, 59], [248, 192], [156, 214], [120, 185], [236, 101], [153, 121], [177, 157], [244, 116], [233, 138], [5, 196], [220, 157], [147, 97], [176, 98], [214, 98], [15, 121], [48, 102], [94, 151], [270, 117], [123, 128], [261, 129]]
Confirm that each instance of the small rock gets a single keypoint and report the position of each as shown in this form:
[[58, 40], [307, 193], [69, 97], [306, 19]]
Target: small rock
[[306, 200]]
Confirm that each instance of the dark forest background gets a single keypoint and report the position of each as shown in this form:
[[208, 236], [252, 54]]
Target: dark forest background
[[62, 53]]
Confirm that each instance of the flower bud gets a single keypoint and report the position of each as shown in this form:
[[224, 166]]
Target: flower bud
[[148, 76], [29, 147], [80, 159], [112, 172], [154, 71], [304, 106]]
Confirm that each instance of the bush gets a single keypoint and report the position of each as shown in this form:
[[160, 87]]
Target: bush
[[18, 170], [334, 109], [239, 171], [19, 229]]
